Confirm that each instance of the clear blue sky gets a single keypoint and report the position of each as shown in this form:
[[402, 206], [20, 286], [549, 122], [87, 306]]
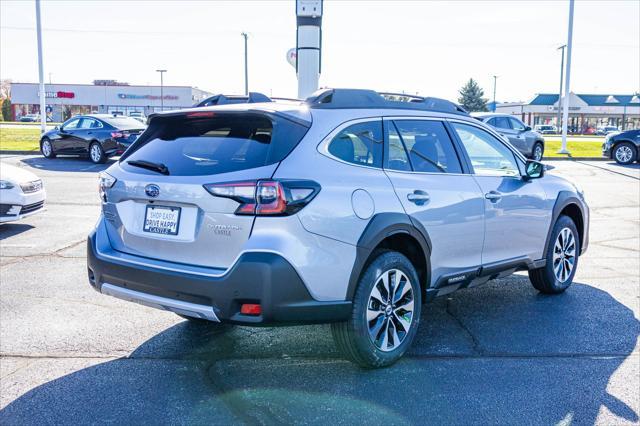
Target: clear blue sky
[[427, 47]]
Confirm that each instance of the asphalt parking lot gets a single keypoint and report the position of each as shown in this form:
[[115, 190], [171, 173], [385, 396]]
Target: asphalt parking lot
[[498, 354]]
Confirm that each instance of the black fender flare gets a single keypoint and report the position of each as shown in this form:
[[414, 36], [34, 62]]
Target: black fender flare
[[381, 226], [564, 199]]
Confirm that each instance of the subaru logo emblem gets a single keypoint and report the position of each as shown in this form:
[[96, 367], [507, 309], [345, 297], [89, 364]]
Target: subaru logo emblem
[[152, 190]]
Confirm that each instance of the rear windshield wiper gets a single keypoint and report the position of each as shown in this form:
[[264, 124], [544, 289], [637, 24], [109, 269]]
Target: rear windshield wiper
[[156, 167]]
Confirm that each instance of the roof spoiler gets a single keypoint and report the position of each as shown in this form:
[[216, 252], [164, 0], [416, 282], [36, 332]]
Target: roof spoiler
[[362, 98]]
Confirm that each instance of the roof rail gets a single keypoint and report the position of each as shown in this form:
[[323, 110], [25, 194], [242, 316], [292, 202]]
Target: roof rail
[[362, 98], [220, 99]]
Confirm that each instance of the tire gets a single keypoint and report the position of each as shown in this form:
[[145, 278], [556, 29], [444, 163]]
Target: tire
[[625, 153], [353, 337], [551, 279], [537, 152], [46, 148], [96, 153]]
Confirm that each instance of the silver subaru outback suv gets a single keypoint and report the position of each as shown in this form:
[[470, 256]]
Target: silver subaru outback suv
[[352, 208]]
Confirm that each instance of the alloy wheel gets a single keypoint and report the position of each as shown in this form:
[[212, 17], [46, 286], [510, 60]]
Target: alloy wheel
[[95, 153], [46, 148], [564, 255], [623, 154], [537, 153], [390, 310]]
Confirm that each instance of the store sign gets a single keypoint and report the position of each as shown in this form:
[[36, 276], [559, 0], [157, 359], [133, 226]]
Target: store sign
[[149, 97], [59, 94]]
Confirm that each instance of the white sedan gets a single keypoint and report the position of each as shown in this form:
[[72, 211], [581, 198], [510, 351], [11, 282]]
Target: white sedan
[[21, 193]]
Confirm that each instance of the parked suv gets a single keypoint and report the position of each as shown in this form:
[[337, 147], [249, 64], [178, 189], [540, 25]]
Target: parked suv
[[348, 209], [622, 147], [525, 140]]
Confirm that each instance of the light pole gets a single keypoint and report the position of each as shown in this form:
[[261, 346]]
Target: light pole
[[246, 65], [161, 88], [567, 87], [495, 79], [43, 113], [560, 92]]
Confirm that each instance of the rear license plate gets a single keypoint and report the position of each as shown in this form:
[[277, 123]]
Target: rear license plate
[[162, 220]]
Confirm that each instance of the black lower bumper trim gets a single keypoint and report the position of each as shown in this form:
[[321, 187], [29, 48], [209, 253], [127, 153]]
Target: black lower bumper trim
[[264, 278]]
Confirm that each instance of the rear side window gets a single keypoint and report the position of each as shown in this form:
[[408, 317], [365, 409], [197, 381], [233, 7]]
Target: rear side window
[[500, 122], [226, 142], [359, 144], [429, 146], [122, 122]]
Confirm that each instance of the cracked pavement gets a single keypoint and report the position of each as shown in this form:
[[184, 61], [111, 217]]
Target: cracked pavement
[[497, 354]]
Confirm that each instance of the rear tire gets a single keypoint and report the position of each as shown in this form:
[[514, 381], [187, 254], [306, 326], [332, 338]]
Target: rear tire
[[46, 148], [385, 317], [561, 259], [625, 153], [96, 153]]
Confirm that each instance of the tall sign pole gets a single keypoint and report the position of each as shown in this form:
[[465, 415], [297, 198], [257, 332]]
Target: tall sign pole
[[161, 88], [43, 107], [567, 89], [308, 45], [246, 65], [560, 91], [495, 79]]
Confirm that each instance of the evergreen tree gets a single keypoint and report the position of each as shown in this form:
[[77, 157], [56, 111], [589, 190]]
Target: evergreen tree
[[471, 97]]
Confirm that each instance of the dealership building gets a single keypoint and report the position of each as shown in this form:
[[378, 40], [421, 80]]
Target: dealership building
[[104, 96], [585, 111]]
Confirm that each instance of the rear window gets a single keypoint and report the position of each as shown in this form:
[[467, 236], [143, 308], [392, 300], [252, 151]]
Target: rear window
[[224, 143], [124, 123]]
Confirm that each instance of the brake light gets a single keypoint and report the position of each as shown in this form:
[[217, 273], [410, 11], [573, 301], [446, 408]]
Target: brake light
[[119, 134], [201, 114], [267, 197]]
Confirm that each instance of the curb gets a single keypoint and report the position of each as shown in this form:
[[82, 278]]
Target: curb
[[8, 152], [576, 159]]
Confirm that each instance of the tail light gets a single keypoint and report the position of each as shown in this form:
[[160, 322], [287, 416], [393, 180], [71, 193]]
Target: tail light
[[119, 134], [105, 181], [267, 197]]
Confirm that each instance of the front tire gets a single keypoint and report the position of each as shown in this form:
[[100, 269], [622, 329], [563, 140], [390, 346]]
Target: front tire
[[96, 153], [537, 152], [625, 153], [561, 259], [46, 148], [386, 313]]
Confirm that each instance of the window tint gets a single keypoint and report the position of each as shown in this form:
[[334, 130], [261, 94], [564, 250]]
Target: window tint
[[221, 144], [429, 146], [397, 154], [70, 125], [359, 144], [501, 123], [87, 123], [488, 155], [516, 124]]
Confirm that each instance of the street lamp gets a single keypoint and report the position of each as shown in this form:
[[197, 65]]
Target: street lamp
[[567, 88], [161, 88], [560, 92], [43, 114], [495, 78]]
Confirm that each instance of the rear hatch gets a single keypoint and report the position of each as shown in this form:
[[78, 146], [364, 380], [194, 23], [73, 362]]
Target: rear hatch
[[159, 208]]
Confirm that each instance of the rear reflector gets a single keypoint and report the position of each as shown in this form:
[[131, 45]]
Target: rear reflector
[[251, 309]]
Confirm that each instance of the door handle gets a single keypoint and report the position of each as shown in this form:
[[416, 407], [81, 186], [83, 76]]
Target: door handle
[[493, 196], [89, 133], [418, 197]]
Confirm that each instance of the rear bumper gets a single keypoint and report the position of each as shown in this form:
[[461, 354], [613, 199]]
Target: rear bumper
[[257, 277]]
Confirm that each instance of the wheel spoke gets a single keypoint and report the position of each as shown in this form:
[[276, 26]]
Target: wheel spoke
[[373, 314], [404, 289], [404, 322], [375, 294], [374, 331], [385, 336]]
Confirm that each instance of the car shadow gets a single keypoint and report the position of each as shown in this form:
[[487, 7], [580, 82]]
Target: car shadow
[[10, 229], [501, 354], [67, 164]]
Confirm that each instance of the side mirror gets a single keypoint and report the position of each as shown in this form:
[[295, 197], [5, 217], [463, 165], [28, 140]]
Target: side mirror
[[56, 128], [527, 128], [533, 169]]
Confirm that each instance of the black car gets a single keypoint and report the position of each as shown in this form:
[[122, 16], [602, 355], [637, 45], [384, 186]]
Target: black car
[[99, 136], [622, 147]]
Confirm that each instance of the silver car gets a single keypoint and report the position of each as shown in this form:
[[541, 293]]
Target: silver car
[[529, 142], [348, 208]]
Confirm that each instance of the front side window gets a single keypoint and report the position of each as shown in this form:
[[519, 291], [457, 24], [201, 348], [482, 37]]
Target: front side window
[[359, 144], [70, 125], [516, 124], [429, 146], [489, 156]]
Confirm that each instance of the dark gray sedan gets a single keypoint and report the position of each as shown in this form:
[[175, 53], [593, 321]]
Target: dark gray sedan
[[525, 140]]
